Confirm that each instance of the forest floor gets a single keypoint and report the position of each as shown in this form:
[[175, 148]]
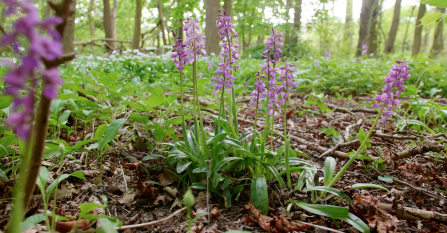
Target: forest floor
[[413, 169]]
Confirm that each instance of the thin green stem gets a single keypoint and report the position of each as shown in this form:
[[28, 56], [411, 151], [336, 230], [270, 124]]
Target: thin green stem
[[233, 95], [351, 160], [182, 108], [287, 141]]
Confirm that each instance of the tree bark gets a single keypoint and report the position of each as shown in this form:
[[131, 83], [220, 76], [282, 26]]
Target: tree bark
[[228, 7], [108, 25], [137, 27], [211, 32], [368, 21], [438, 44], [297, 15], [389, 45], [162, 24], [348, 25], [90, 17], [113, 20], [417, 39], [404, 43], [69, 32]]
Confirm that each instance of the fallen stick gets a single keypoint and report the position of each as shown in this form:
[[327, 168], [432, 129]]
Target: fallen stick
[[150, 223], [427, 146], [408, 185], [413, 214]]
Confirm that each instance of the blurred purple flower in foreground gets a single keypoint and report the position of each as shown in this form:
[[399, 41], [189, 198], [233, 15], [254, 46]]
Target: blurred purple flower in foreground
[[21, 78], [194, 41], [228, 53], [327, 54], [395, 78], [178, 53], [364, 48]]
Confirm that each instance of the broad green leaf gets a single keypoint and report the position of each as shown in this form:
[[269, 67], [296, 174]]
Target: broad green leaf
[[154, 182], [64, 117], [335, 212], [367, 185], [99, 133], [357, 223], [107, 226], [203, 186], [110, 79], [323, 107], [138, 118], [7, 141], [42, 178], [182, 166], [31, 221], [159, 133], [362, 136], [55, 183], [259, 194], [329, 170], [78, 174], [111, 132], [431, 18], [438, 3], [5, 101]]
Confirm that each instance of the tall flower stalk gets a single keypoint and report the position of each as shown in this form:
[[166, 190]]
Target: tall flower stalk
[[286, 89], [179, 56], [195, 45], [273, 46], [228, 56], [385, 102]]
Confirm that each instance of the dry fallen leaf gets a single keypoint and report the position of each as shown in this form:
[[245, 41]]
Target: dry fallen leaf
[[214, 213], [200, 201], [176, 203], [168, 177], [274, 224], [172, 191], [127, 198]]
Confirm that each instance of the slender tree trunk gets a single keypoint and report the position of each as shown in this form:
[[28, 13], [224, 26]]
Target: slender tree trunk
[[211, 32], [389, 46], [166, 24], [90, 17], [288, 39], [108, 25], [438, 43], [348, 26], [228, 7], [113, 20], [69, 32], [417, 39], [368, 20], [137, 27], [244, 22], [158, 42], [297, 17], [162, 24], [48, 10], [404, 43]]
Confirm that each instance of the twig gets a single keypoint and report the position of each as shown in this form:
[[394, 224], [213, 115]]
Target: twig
[[318, 226], [347, 132], [408, 185], [107, 94], [150, 223]]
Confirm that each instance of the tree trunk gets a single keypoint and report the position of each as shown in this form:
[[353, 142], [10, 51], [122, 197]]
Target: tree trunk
[[48, 10], [69, 32], [404, 43], [438, 44], [113, 20], [417, 39], [389, 46], [228, 7], [90, 17], [297, 16], [108, 25], [137, 27], [162, 24], [368, 20], [348, 26], [211, 32]]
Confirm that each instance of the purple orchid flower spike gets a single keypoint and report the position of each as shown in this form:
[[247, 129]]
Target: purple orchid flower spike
[[44, 43], [286, 78], [194, 40], [274, 44], [228, 53], [394, 79], [258, 94], [178, 53]]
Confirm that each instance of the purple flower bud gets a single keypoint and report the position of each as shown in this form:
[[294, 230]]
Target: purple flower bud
[[327, 54], [194, 40], [364, 48]]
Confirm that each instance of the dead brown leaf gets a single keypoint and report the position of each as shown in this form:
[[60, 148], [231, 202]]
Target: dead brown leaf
[[274, 225], [168, 177], [214, 213]]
